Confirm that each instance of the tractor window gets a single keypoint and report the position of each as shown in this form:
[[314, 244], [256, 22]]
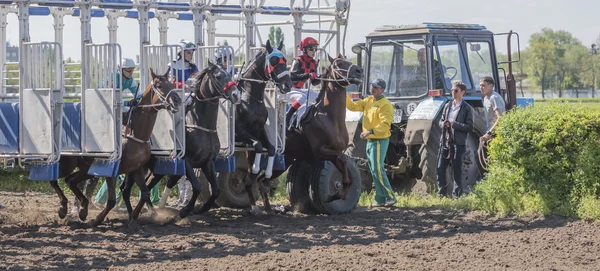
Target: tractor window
[[401, 66], [452, 64], [480, 60]]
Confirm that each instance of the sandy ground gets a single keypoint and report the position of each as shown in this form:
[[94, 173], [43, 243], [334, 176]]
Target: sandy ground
[[32, 237]]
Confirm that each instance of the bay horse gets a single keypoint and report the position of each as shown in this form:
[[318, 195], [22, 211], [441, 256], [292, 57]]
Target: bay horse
[[251, 114], [323, 133], [201, 140], [135, 152]]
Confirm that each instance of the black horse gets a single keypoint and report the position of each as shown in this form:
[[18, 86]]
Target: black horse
[[202, 142], [251, 114]]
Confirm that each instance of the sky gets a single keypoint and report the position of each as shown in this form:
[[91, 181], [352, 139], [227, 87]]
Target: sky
[[579, 17]]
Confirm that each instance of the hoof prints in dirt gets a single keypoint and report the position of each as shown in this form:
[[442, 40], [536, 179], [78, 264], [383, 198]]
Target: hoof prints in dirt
[[366, 239]]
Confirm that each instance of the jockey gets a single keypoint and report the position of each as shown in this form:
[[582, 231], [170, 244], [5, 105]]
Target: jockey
[[129, 83], [183, 67], [224, 58], [303, 68]]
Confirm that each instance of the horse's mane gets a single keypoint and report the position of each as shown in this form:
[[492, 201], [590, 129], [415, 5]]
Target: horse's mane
[[200, 76], [252, 65]]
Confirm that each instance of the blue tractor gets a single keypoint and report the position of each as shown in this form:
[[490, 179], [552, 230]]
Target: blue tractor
[[418, 63]]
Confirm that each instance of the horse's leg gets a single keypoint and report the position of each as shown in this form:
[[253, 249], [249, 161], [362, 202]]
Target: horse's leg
[[268, 171], [126, 187], [189, 173], [62, 211], [110, 203], [264, 139], [152, 180], [250, 139], [73, 181], [211, 175], [249, 179], [262, 187], [171, 182], [138, 178]]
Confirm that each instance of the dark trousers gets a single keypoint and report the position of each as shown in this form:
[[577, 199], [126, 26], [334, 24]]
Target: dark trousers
[[457, 157]]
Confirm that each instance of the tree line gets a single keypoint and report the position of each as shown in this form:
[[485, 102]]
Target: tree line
[[557, 60]]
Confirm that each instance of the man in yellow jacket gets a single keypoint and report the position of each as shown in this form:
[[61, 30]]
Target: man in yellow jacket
[[378, 114]]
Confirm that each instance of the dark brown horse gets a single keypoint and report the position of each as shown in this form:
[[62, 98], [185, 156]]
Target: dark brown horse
[[135, 152], [251, 113], [201, 139], [324, 135]]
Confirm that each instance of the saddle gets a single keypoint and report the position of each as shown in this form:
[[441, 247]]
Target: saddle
[[311, 110]]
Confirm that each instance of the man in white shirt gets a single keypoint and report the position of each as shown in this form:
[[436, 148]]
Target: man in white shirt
[[493, 104]]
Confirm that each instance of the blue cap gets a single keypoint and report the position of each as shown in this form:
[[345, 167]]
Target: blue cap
[[379, 83]]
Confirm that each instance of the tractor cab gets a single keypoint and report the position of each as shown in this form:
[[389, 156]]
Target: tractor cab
[[419, 61]]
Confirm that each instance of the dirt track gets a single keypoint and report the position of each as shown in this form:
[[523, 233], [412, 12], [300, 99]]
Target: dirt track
[[32, 237]]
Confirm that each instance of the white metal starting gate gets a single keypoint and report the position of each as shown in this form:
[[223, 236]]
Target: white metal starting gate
[[101, 113], [40, 105], [101, 100], [167, 141]]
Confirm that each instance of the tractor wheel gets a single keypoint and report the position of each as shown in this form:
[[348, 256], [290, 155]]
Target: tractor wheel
[[367, 181], [297, 187], [322, 183], [233, 190]]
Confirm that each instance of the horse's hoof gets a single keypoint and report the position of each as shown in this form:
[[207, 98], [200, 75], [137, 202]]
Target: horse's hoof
[[183, 213], [133, 225], [255, 211], [62, 212], [94, 223], [83, 212], [198, 210]]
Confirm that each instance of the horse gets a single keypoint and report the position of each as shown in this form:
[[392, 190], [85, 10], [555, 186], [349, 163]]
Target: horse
[[323, 133], [251, 113], [136, 149], [202, 142]]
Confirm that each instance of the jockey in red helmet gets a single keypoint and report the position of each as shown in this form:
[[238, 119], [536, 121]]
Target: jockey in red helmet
[[303, 68]]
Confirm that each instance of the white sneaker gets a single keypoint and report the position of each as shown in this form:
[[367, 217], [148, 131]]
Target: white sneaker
[[389, 203]]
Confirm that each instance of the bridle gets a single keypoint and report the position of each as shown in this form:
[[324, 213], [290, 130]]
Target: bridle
[[163, 99], [163, 102], [337, 74], [268, 71], [222, 90], [222, 93]]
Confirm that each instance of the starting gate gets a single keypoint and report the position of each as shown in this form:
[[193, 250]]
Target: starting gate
[[168, 145], [31, 128]]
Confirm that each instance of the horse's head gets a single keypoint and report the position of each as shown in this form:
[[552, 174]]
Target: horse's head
[[161, 92], [216, 82], [342, 70], [276, 67]]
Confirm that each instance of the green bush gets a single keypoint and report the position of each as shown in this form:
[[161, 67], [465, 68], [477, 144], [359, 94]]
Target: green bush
[[544, 160]]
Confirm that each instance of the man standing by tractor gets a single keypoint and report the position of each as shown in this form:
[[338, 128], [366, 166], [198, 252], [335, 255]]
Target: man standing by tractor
[[378, 115], [457, 123], [493, 104]]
